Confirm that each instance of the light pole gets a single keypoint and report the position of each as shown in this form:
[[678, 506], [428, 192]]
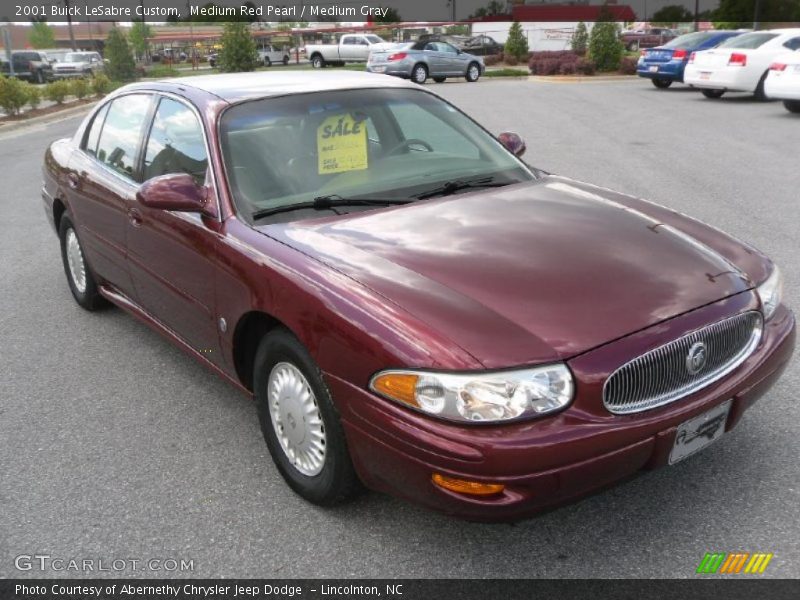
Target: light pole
[[69, 26]]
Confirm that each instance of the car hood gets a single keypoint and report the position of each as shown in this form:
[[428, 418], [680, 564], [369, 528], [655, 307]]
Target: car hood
[[71, 65], [528, 273]]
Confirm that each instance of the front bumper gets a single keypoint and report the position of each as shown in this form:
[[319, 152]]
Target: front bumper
[[551, 461]]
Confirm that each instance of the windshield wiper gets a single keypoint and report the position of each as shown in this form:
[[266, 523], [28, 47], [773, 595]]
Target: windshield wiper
[[329, 202], [451, 187]]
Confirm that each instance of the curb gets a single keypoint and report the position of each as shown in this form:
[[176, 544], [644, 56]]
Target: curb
[[66, 113], [580, 78]]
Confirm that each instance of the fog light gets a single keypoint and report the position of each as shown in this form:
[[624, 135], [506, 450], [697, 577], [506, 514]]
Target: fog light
[[462, 486]]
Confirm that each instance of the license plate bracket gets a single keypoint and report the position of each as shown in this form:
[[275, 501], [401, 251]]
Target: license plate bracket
[[699, 432]]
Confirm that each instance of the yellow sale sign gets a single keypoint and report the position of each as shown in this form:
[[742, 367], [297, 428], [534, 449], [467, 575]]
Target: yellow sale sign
[[341, 145]]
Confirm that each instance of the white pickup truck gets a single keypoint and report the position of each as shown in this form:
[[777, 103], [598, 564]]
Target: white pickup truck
[[352, 47]]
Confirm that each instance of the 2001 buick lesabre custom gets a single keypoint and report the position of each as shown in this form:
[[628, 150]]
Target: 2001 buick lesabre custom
[[411, 305]]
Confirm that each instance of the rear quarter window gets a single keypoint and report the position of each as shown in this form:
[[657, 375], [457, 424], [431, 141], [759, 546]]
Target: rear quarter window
[[748, 41]]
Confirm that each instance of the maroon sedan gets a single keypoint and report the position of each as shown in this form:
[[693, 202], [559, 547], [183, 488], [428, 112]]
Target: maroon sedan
[[411, 305]]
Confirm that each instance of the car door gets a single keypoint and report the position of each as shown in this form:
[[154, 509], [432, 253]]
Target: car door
[[434, 59], [171, 255], [453, 61], [348, 47], [101, 185]]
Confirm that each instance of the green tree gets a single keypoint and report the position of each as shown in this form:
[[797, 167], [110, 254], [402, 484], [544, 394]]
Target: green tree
[[674, 13], [121, 66], [391, 16], [580, 39], [516, 43], [238, 49], [605, 47], [139, 38], [41, 35], [733, 14]]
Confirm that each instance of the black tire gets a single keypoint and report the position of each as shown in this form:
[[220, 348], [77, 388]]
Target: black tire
[[419, 74], [317, 61], [285, 61], [337, 481], [661, 84], [88, 298], [713, 94], [760, 94], [440, 79], [267, 61], [473, 72], [632, 47], [793, 106], [39, 76]]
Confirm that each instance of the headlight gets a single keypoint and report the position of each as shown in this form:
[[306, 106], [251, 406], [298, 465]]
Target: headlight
[[479, 397], [770, 292]]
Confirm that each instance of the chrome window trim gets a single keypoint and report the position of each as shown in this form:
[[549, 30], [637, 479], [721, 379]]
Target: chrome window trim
[[662, 352]]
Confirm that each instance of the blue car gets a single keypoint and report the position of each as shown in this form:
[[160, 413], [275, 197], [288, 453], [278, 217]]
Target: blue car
[[664, 65]]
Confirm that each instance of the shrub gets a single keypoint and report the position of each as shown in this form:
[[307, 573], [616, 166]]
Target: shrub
[[585, 66], [516, 43], [79, 88], [121, 66], [563, 62], [238, 49], [34, 96], [511, 60], [101, 84], [580, 39], [492, 59], [605, 47], [13, 95], [627, 65], [57, 91]]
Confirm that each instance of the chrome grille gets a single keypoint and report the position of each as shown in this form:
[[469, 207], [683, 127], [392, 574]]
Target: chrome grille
[[663, 375]]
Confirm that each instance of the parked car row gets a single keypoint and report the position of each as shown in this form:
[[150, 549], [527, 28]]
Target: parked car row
[[764, 63], [37, 66]]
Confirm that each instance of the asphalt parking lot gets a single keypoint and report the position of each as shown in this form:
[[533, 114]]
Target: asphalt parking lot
[[116, 445]]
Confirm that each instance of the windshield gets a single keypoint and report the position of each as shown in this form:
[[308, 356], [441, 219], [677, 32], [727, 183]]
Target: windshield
[[76, 57], [748, 40], [690, 40], [387, 143]]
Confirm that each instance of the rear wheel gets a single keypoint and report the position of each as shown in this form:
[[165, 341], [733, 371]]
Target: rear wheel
[[661, 84], [793, 106], [419, 74], [473, 72], [760, 94], [79, 276], [300, 422], [317, 61], [713, 94], [439, 79]]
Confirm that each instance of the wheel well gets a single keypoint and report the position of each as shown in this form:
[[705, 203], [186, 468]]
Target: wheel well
[[315, 55], [58, 212], [421, 64], [248, 333]]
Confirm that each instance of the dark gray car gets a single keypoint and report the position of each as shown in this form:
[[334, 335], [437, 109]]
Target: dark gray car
[[420, 60]]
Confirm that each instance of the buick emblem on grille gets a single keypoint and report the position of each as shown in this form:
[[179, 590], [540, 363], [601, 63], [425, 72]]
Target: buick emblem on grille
[[696, 358]]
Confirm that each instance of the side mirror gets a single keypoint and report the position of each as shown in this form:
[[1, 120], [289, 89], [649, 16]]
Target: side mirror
[[177, 191], [513, 143]]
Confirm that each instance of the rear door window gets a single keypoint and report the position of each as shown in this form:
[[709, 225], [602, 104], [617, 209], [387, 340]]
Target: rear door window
[[793, 44], [94, 131]]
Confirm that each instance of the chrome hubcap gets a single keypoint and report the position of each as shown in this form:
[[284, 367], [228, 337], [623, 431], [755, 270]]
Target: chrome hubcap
[[420, 74], [77, 268], [473, 72], [296, 419]]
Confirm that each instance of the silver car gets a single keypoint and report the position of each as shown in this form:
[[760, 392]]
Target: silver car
[[420, 60], [79, 64]]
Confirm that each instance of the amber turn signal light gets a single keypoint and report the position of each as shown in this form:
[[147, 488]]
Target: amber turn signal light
[[462, 486], [397, 386]]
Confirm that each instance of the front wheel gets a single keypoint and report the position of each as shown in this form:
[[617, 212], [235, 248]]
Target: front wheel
[[473, 73], [713, 94], [285, 61], [79, 276], [419, 74], [793, 106], [633, 47], [317, 61], [300, 423], [267, 61], [661, 84]]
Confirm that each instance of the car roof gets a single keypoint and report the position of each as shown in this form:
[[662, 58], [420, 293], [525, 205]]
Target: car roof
[[234, 87]]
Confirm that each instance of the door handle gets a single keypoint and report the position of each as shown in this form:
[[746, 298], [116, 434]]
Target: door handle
[[135, 217], [74, 181]]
